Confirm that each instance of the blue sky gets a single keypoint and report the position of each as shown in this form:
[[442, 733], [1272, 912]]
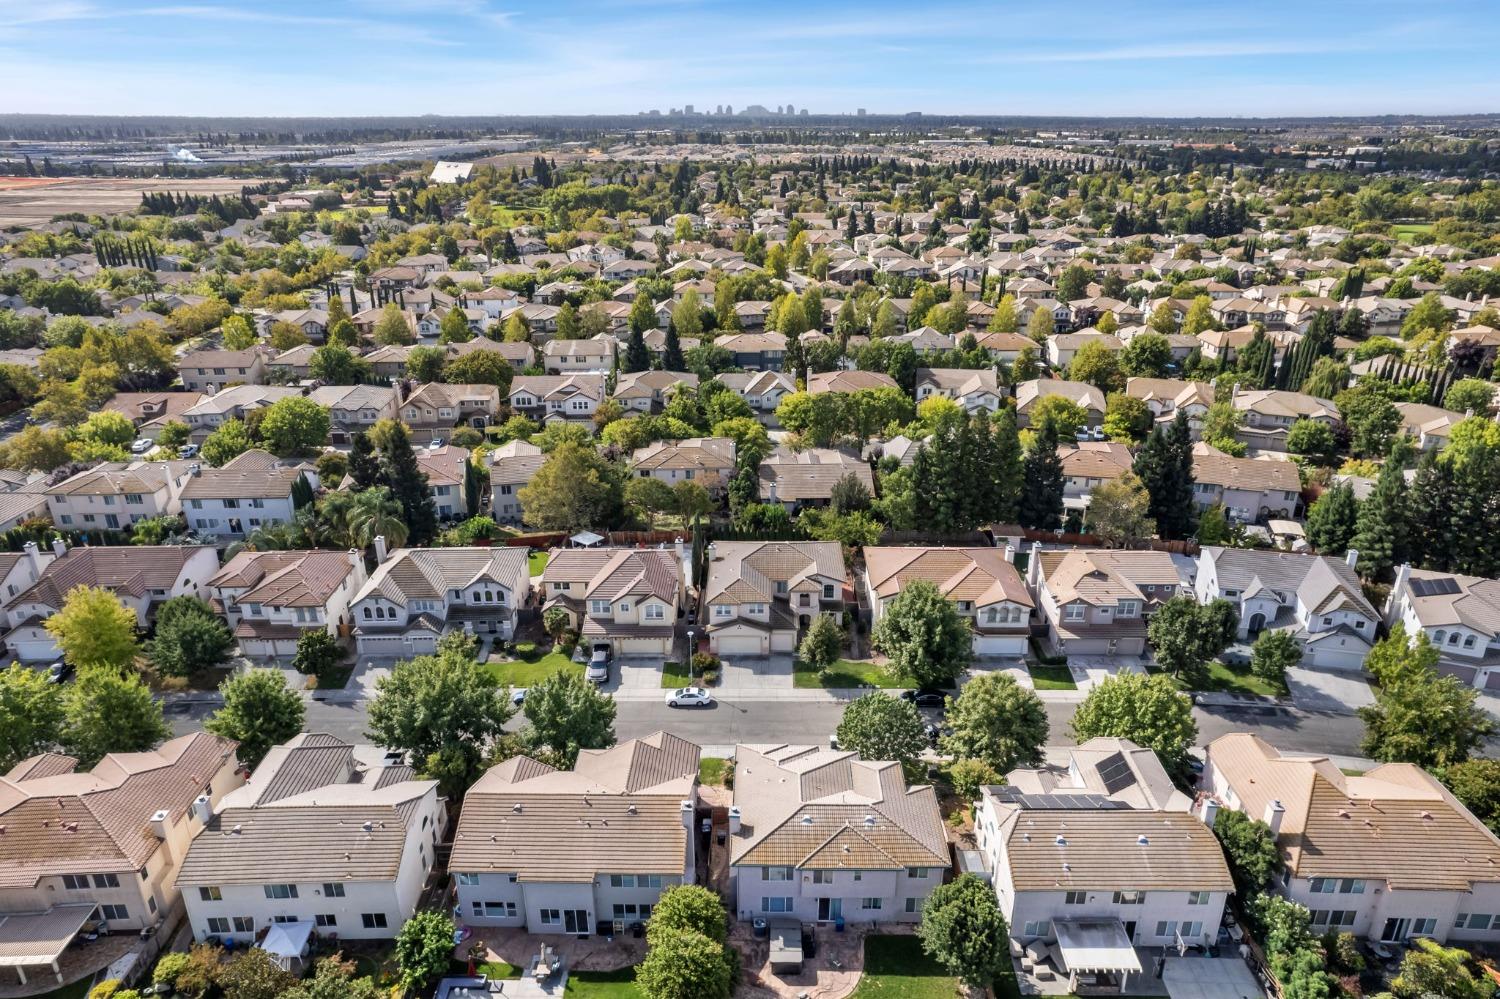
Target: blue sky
[[279, 57]]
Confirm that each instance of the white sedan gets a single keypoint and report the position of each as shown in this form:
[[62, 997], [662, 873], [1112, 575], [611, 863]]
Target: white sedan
[[689, 697]]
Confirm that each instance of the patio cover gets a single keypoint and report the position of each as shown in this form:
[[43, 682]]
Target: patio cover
[[1095, 945], [287, 941], [786, 944], [35, 938], [586, 539]]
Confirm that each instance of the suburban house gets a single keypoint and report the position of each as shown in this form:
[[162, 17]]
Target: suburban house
[[150, 411], [271, 598], [755, 351], [141, 576], [115, 494], [1318, 599], [1429, 426], [418, 595], [557, 397], [1388, 855], [435, 409], [18, 571], [1095, 601], [447, 471], [354, 409], [806, 478], [763, 390], [840, 380], [976, 390], [512, 465], [563, 357], [212, 370], [1269, 414], [326, 839], [648, 391], [1166, 397], [1249, 489], [231, 502], [1088, 465], [1028, 393], [983, 586], [580, 851], [232, 404], [624, 600], [1095, 853], [819, 835], [709, 461], [760, 595], [1460, 616], [102, 846]]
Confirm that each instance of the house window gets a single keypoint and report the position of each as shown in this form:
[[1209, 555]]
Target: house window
[[655, 612], [1472, 921], [1128, 898], [1128, 608], [106, 881], [75, 882], [219, 925], [1197, 898], [780, 586], [244, 924], [598, 606], [917, 872], [827, 591], [1323, 886], [373, 920], [871, 904], [822, 877], [210, 894], [1425, 927], [1075, 898], [495, 910], [115, 912], [326, 919], [1073, 612], [1036, 928], [722, 610], [1190, 930], [281, 891], [333, 889], [774, 904], [133, 499], [648, 880], [1351, 886], [1166, 928], [467, 879], [622, 880], [551, 917], [776, 873], [914, 905]]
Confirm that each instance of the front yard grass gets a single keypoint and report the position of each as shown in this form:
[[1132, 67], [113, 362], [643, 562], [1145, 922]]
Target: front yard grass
[[898, 968], [711, 770], [1226, 679], [336, 678], [845, 673], [531, 666], [674, 675], [1051, 677], [602, 984]]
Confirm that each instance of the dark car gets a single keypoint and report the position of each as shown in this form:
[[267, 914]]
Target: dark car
[[927, 697], [59, 672]]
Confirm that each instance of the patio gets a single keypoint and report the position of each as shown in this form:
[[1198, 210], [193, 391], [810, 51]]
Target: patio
[[833, 972], [79, 961], [517, 948]]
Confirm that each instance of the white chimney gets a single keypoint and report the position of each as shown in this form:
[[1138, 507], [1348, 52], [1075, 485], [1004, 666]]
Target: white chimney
[[686, 809], [1351, 557], [59, 547], [1210, 812], [1403, 574], [381, 552], [734, 820], [203, 809], [1275, 811], [1010, 553], [35, 555], [355, 558], [159, 823], [681, 548], [713, 551]]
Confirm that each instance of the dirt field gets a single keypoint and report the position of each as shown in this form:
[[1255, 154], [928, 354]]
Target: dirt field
[[30, 201]]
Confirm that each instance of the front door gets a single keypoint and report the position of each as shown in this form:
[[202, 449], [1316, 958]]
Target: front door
[[576, 920], [1395, 930], [1130, 931], [830, 909]]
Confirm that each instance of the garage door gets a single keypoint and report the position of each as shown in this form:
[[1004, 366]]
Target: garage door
[[743, 645], [381, 645], [35, 651], [999, 645]]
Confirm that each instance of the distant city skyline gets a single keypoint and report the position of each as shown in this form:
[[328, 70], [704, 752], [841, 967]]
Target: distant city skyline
[[403, 57]]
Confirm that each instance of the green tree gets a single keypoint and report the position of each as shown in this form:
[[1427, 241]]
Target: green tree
[[455, 327], [1476, 783], [651, 496], [923, 636], [1097, 365], [1005, 319], [442, 709], [1146, 355], [294, 425], [408, 483], [1165, 467], [238, 334], [425, 364], [317, 652], [334, 364], [1185, 635], [963, 929], [567, 713], [189, 640], [1429, 314], [1273, 654], [687, 316], [424, 948], [1469, 394], [1333, 520], [480, 367], [691, 909], [392, 329], [1198, 317], [1147, 710], [1040, 504], [1419, 716], [682, 964], [996, 720], [1127, 419], [1041, 325], [575, 488], [1163, 319], [1249, 849], [107, 712], [880, 727], [333, 978], [823, 642], [35, 449], [260, 712], [1382, 534], [253, 974], [969, 775], [94, 628], [1119, 511], [1313, 440], [228, 441], [1430, 969], [31, 715]]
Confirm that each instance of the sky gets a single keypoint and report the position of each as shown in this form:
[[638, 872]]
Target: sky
[[1045, 57]]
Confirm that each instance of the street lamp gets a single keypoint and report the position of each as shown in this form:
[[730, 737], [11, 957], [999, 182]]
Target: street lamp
[[691, 649]]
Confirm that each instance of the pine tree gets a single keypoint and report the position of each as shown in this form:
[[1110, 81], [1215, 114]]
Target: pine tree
[[1332, 521], [1165, 467], [637, 357], [671, 355], [409, 485], [1008, 467], [1041, 502], [1383, 539], [364, 465], [1430, 506]]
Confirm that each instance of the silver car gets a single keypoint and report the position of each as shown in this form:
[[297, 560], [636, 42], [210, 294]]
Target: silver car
[[598, 668]]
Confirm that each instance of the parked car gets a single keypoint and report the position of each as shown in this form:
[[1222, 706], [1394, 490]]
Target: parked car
[[927, 697], [598, 668], [142, 446], [689, 697], [518, 696], [188, 451], [434, 444], [59, 672]]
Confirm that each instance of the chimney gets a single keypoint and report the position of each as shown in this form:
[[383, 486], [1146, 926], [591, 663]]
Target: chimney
[[681, 548], [1351, 557], [734, 820], [1234, 393], [381, 552], [686, 809], [1275, 810], [355, 558], [1010, 553], [35, 555], [195, 469], [159, 823], [59, 547], [713, 551], [203, 809], [1210, 812]]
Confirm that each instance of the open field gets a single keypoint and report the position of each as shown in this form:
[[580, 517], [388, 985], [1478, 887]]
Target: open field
[[31, 201]]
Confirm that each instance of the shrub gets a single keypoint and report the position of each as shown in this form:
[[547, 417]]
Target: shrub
[[105, 989], [705, 663], [168, 967], [969, 776]]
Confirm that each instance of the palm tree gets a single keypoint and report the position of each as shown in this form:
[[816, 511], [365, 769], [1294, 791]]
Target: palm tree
[[373, 513]]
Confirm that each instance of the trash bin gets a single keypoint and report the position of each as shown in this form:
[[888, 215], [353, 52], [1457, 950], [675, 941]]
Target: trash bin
[[760, 926], [838, 925]]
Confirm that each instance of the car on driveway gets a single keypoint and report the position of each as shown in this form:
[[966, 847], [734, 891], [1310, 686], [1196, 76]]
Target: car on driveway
[[927, 697], [689, 697], [518, 696], [187, 451], [142, 446], [598, 668], [59, 672]]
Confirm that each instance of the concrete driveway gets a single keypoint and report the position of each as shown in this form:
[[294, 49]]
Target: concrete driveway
[[1328, 690], [1089, 671], [635, 673], [751, 673]]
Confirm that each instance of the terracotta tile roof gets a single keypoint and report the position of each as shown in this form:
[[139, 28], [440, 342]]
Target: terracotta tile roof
[[1212, 466], [809, 474], [1094, 459], [980, 575], [1097, 575], [285, 579], [848, 381], [134, 571], [240, 483], [742, 571], [1114, 849], [612, 573], [429, 573], [697, 453]]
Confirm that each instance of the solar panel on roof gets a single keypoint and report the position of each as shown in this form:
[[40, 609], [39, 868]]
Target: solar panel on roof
[[1115, 773], [1440, 586], [1056, 802]]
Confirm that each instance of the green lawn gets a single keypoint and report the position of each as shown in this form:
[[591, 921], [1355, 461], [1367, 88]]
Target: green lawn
[[845, 673], [1224, 679], [532, 666], [674, 675], [897, 968], [711, 770], [603, 984], [335, 678], [1051, 677], [536, 562], [495, 970], [1409, 231], [78, 990]]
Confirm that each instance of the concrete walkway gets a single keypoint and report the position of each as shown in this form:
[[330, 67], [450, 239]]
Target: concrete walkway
[[1328, 690]]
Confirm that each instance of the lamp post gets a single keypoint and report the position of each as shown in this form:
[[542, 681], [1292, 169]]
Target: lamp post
[[691, 649]]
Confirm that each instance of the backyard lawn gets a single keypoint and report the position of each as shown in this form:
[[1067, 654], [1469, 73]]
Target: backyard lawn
[[602, 984], [78, 990], [711, 770], [897, 968], [532, 666], [845, 673], [1051, 677], [536, 562]]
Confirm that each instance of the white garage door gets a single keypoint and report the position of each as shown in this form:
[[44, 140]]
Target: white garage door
[[999, 645], [1333, 657], [35, 651], [743, 645], [381, 645]]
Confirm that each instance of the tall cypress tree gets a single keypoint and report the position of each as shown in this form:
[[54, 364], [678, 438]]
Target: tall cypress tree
[[1008, 469], [1383, 539], [637, 357], [364, 466], [1041, 502], [671, 355], [1430, 506], [1165, 467], [409, 485]]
